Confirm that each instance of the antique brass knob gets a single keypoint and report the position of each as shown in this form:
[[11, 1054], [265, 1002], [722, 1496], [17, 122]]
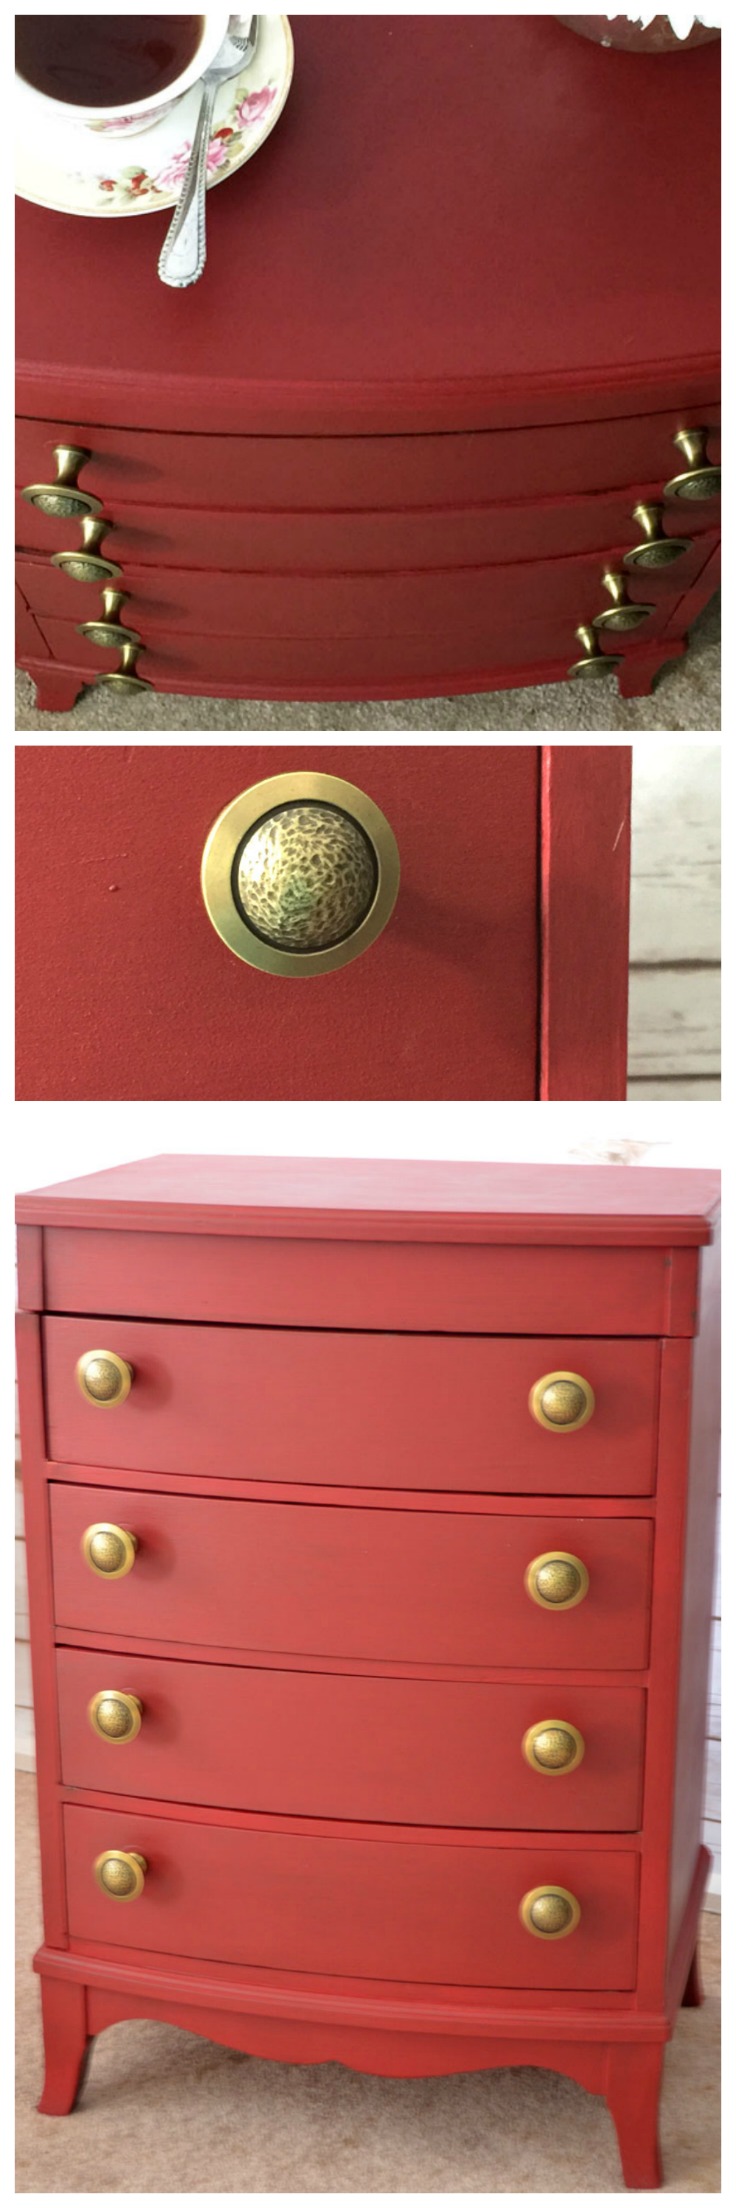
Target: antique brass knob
[[64, 496], [86, 565], [109, 1550], [622, 615], [124, 677], [104, 1377], [550, 1912], [595, 663], [110, 632], [121, 1873], [701, 480], [553, 1746], [562, 1401], [656, 549], [300, 874], [114, 1715], [557, 1580]]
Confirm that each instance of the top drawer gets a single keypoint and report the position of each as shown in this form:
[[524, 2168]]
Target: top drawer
[[298, 473], [352, 1410]]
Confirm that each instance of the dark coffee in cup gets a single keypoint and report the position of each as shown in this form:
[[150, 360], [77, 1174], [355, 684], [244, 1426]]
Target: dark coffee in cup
[[101, 61]]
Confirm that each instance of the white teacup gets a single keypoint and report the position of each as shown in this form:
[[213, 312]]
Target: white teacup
[[38, 108]]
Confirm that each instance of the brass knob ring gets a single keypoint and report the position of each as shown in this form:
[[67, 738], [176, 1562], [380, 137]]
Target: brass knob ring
[[557, 1580], [300, 874], [700, 480], [124, 677], [87, 565], [622, 615], [561, 1402], [595, 662], [64, 498], [105, 1379], [111, 631], [553, 1747], [109, 1550], [550, 1912], [121, 1873], [114, 1715], [656, 549]]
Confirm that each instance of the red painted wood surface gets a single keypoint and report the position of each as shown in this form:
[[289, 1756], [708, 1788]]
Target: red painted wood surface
[[369, 1583], [371, 1908], [697, 1582], [586, 826], [342, 330], [29, 642], [374, 1409]]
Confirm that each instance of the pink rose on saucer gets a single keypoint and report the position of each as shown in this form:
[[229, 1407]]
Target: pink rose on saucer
[[254, 105], [175, 169]]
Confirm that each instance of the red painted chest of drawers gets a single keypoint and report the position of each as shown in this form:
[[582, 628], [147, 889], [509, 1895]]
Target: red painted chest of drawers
[[402, 1506], [397, 439]]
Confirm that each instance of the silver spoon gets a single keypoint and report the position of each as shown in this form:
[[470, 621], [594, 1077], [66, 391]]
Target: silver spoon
[[184, 249]]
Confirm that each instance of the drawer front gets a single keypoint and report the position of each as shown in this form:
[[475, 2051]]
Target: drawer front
[[305, 1580], [370, 1410], [163, 537], [406, 1909], [293, 473], [310, 1744]]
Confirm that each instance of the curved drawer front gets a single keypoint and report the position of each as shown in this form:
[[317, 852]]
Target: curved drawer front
[[310, 1744], [362, 1410], [298, 472], [310, 1580], [413, 1910]]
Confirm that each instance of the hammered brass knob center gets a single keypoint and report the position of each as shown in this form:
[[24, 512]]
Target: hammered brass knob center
[[115, 1715], [551, 1913], [121, 1873], [104, 1377], [562, 1401], [305, 877], [557, 1580], [551, 1746], [109, 1550]]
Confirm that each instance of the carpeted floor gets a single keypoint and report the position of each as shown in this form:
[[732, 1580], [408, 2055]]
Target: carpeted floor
[[687, 696], [165, 2112]]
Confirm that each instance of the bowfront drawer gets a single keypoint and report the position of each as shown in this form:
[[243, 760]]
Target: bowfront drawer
[[402, 1586], [408, 1909], [359, 1410], [310, 1744]]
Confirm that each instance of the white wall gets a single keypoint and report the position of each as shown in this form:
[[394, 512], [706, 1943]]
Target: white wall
[[674, 1001]]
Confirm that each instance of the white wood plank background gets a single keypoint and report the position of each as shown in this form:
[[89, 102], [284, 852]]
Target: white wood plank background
[[674, 1003]]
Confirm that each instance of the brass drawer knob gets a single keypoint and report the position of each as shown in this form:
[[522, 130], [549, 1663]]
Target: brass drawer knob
[[121, 1873], [550, 1912], [64, 496], [114, 1715], [656, 549], [595, 662], [554, 1746], [86, 565], [300, 874], [557, 1580], [701, 480], [110, 632], [562, 1401], [622, 615], [109, 1550], [124, 677], [104, 1378]]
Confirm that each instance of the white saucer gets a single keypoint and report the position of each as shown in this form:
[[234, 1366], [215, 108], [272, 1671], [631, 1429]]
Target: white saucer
[[79, 172]]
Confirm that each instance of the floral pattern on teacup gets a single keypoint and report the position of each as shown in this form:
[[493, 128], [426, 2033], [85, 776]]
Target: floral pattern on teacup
[[226, 144]]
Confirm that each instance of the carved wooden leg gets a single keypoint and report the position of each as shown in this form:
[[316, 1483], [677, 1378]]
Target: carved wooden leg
[[693, 1995], [633, 2078], [637, 675], [57, 688], [66, 2045]]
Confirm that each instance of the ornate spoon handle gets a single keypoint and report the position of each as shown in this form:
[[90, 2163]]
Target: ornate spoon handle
[[184, 249]]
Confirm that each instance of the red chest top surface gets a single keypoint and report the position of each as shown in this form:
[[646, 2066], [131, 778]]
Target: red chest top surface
[[458, 222]]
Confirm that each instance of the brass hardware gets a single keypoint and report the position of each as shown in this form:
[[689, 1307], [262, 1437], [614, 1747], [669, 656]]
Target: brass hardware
[[562, 1401], [550, 1912], [111, 631], [124, 676], [622, 615], [109, 1550], [701, 480], [114, 1715], [556, 1580], [596, 662], [104, 1378], [86, 566], [121, 1873], [64, 496], [553, 1747], [656, 549], [300, 874]]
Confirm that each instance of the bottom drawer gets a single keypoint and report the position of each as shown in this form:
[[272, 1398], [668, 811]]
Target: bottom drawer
[[312, 1900]]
